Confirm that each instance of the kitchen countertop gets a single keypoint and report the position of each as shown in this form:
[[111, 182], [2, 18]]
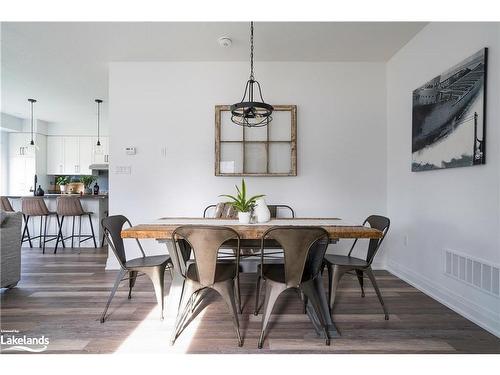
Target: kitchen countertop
[[84, 196]]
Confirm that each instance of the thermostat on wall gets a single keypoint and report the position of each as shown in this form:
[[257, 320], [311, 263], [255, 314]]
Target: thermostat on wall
[[130, 150]]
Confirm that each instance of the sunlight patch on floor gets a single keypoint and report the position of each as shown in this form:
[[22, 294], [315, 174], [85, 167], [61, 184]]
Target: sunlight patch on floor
[[153, 335]]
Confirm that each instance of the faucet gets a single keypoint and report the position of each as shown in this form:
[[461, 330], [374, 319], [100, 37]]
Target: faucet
[[34, 185]]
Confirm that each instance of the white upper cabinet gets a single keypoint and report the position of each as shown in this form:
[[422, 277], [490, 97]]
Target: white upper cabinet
[[100, 155], [85, 149], [71, 155], [55, 155], [74, 155], [19, 144]]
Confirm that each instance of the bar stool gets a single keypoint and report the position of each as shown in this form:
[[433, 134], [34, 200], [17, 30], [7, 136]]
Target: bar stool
[[35, 206], [5, 204], [72, 206]]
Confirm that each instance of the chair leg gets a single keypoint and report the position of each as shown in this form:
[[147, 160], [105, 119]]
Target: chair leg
[[59, 233], [182, 310], [257, 295], [157, 276], [237, 291], [24, 229], [330, 279], [119, 278], [79, 234], [73, 232], [45, 234], [310, 292], [40, 232], [92, 230], [273, 291], [227, 292], [371, 276], [131, 282], [28, 231], [304, 302], [338, 271], [359, 274]]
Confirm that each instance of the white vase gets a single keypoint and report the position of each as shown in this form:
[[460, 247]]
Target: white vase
[[62, 188], [244, 217], [261, 211]]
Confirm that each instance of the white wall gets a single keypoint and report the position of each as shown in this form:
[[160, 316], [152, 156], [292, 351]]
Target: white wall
[[341, 137], [455, 209]]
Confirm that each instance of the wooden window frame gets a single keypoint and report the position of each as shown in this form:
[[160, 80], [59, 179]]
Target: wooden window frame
[[293, 143]]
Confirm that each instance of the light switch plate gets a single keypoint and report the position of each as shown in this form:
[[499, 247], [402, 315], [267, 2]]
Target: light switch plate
[[123, 169]]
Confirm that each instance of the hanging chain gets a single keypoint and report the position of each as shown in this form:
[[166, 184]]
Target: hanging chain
[[251, 51]]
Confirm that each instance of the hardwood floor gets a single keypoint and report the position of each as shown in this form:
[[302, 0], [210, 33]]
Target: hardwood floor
[[62, 296]]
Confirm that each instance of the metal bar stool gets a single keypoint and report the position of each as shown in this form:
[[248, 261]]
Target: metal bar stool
[[35, 206], [72, 206]]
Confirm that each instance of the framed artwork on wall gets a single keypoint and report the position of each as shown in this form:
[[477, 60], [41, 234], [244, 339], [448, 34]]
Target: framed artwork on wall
[[259, 151], [449, 117]]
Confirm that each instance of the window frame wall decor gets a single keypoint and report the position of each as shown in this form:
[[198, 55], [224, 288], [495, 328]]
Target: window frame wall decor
[[244, 141]]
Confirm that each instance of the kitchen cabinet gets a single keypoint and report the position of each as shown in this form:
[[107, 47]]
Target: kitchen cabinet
[[26, 161], [100, 155], [70, 155], [85, 155], [55, 155]]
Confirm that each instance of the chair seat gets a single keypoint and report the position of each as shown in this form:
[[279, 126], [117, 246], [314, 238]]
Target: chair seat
[[342, 260], [223, 272], [149, 261], [276, 272]]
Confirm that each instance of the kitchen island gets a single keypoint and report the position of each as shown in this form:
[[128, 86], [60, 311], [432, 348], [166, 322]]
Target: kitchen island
[[97, 204]]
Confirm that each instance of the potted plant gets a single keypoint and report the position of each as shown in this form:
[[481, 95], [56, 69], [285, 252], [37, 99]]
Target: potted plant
[[87, 181], [62, 181], [242, 204]]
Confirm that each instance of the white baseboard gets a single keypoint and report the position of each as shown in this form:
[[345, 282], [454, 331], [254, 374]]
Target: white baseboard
[[485, 318]]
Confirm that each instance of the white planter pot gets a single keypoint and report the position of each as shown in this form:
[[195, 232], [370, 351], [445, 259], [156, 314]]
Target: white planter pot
[[261, 211], [244, 217], [62, 188]]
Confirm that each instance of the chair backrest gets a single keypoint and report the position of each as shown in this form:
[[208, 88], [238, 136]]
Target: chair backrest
[[34, 206], [381, 223], [5, 204], [303, 248], [69, 206], [113, 226], [275, 208], [223, 211], [205, 242]]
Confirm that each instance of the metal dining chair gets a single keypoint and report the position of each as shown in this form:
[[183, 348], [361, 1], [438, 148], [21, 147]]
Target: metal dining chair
[[152, 266], [206, 272], [338, 265], [303, 252]]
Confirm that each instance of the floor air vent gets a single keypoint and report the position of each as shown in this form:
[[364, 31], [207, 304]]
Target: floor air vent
[[473, 272]]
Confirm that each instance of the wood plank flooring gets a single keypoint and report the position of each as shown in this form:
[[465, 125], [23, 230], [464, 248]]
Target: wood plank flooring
[[62, 296]]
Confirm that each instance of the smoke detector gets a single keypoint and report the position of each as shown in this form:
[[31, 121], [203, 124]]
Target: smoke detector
[[225, 41]]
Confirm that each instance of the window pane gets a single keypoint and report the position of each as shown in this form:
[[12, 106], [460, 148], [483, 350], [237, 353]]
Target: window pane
[[231, 159], [279, 158], [255, 158], [280, 128]]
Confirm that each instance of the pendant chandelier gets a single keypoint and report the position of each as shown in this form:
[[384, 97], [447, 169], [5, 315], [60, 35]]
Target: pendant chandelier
[[32, 101], [98, 101], [250, 111]]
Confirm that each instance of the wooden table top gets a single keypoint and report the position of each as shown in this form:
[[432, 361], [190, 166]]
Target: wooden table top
[[336, 228]]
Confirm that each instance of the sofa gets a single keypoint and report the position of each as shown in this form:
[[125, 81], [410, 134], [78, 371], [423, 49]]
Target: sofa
[[10, 248]]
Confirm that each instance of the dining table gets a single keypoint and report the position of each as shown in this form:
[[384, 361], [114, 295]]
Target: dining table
[[162, 229]]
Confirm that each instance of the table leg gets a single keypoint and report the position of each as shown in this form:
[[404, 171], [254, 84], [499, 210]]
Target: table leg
[[175, 293]]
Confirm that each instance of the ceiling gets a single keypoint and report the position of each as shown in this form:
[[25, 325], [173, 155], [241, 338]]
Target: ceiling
[[64, 65]]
